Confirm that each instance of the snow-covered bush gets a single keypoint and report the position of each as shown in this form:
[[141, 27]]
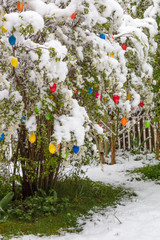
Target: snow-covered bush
[[62, 62]]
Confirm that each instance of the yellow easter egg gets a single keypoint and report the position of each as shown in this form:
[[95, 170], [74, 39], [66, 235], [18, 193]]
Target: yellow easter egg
[[52, 148], [112, 54], [51, 97], [32, 138], [14, 62], [3, 29], [129, 96]]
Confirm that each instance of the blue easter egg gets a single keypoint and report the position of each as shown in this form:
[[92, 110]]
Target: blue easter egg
[[23, 118], [75, 149], [90, 90], [2, 137], [102, 36], [12, 40]]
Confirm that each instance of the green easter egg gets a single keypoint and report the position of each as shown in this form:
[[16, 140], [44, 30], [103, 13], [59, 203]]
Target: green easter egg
[[147, 124], [48, 116], [36, 110]]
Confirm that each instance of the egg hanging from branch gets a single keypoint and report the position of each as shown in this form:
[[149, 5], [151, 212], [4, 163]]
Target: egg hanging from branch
[[124, 47], [36, 110], [52, 148], [3, 29], [147, 124], [48, 116], [58, 147], [75, 149], [129, 96], [32, 137], [115, 98], [14, 62], [141, 104], [23, 118], [73, 15], [102, 36], [20, 6], [53, 87], [2, 137], [98, 96], [90, 90], [111, 54], [12, 40], [124, 121]]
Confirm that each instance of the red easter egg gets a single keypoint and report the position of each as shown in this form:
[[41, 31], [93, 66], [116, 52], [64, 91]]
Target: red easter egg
[[116, 98], [124, 47], [53, 88], [99, 123], [141, 104], [97, 95], [73, 15]]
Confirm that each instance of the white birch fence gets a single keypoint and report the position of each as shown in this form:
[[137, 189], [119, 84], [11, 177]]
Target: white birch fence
[[138, 136]]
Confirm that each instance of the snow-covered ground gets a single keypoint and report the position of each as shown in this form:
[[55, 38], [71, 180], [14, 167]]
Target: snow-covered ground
[[136, 219]]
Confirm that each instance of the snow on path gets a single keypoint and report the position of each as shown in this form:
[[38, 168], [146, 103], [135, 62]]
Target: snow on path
[[138, 219]]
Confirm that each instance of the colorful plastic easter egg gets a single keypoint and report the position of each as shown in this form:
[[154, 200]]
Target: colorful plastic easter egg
[[3, 29], [23, 118], [12, 40], [97, 95], [58, 147], [124, 121], [147, 124], [73, 15], [124, 47], [90, 90], [53, 87], [112, 38], [14, 62], [48, 116], [32, 137], [75, 149], [129, 96], [116, 98], [99, 123], [66, 155], [102, 36], [2, 137], [75, 91], [20, 6], [141, 104], [36, 110], [111, 54], [51, 97], [52, 148]]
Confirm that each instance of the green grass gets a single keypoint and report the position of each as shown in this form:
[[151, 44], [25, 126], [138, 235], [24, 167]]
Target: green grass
[[75, 199], [149, 172]]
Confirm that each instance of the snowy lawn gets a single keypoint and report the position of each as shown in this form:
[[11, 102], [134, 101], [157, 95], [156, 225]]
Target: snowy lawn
[[131, 220]]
